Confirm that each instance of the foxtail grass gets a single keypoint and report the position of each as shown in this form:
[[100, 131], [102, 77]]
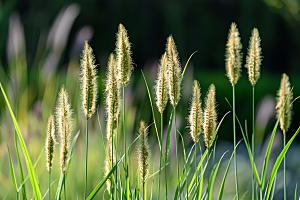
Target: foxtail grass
[[286, 116], [233, 68], [253, 62]]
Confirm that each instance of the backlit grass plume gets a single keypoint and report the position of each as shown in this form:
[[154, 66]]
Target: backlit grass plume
[[283, 93], [64, 123], [233, 55], [195, 119], [108, 163], [112, 95], [210, 116], [143, 153], [88, 80], [254, 58], [173, 72], [123, 54], [50, 142], [161, 84]]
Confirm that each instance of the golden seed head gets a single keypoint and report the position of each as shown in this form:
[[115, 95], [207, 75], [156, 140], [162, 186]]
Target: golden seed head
[[50, 142], [210, 116], [195, 119], [64, 123], [123, 56], [253, 60], [88, 81], [283, 93], [233, 55], [109, 163], [173, 72], [143, 153], [162, 84], [112, 95]]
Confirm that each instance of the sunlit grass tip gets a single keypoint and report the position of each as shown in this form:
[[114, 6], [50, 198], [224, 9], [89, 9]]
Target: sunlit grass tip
[[254, 58], [195, 118], [233, 55], [143, 153], [210, 116], [161, 85], [88, 81], [283, 93], [123, 56], [50, 142], [173, 72]]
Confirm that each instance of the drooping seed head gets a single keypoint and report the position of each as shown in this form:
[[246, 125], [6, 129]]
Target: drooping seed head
[[64, 123], [210, 116], [162, 84], [143, 153], [254, 57], [123, 56], [112, 95], [109, 163], [195, 119], [50, 142], [88, 81], [283, 94], [173, 72], [233, 55]]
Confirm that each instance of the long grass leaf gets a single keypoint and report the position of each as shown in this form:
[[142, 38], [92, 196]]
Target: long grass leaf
[[31, 172], [296, 192]]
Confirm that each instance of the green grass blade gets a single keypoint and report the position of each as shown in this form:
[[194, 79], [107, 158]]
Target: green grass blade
[[296, 192], [273, 188], [277, 164], [31, 172], [159, 144], [11, 165], [226, 172], [99, 186], [169, 134], [214, 177], [186, 64], [60, 183]]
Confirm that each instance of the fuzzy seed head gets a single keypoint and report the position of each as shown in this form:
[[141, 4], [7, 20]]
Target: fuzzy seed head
[[50, 142], [112, 95], [109, 163], [195, 119], [88, 81], [283, 93], [64, 123], [233, 55], [143, 153], [123, 54], [173, 72], [162, 84], [210, 116], [254, 57]]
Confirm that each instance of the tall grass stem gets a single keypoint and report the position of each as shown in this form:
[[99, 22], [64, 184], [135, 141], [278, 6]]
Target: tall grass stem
[[234, 144], [161, 138], [86, 155], [49, 183], [177, 151], [126, 160], [284, 178], [253, 138]]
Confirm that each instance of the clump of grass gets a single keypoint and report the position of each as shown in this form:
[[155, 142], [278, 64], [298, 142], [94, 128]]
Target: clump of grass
[[283, 95]]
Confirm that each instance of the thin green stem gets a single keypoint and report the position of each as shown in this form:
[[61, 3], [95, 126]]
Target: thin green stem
[[116, 141], [284, 178], [234, 143], [161, 137], [49, 183], [112, 155], [166, 179], [208, 169], [64, 187], [144, 193], [17, 195], [86, 155], [186, 180], [176, 151], [253, 129], [126, 160]]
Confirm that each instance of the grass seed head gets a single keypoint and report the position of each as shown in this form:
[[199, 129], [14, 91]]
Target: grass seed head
[[195, 119], [50, 142], [283, 94], [253, 60], [173, 72], [233, 55], [88, 81], [123, 54], [210, 116], [162, 84], [64, 123], [143, 153]]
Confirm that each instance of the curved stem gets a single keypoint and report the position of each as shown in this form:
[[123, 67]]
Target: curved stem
[[234, 143], [86, 155], [253, 138]]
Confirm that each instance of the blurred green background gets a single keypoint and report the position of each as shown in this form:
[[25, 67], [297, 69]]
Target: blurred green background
[[40, 46]]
